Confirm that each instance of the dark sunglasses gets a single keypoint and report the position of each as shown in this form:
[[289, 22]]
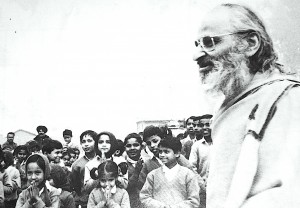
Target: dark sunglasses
[[208, 43]]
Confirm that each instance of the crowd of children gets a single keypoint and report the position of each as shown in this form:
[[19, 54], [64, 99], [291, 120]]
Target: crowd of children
[[139, 171]]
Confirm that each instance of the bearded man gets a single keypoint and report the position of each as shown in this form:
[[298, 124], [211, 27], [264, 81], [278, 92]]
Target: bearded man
[[256, 131]]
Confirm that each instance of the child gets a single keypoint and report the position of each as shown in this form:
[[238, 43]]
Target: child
[[77, 153], [107, 194], [120, 148], [68, 143], [33, 147], [39, 193], [14, 175], [133, 146], [59, 179], [66, 158], [87, 141], [21, 153], [72, 153], [170, 185], [53, 151], [105, 147], [152, 137]]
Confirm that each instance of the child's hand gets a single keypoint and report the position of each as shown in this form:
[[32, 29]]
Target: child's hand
[[111, 203], [33, 193], [139, 165], [101, 204]]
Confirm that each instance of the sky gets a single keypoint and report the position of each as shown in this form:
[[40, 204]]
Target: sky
[[106, 64]]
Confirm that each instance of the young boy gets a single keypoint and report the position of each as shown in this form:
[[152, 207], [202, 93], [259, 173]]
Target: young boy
[[170, 185], [152, 136], [53, 150], [59, 179], [87, 141]]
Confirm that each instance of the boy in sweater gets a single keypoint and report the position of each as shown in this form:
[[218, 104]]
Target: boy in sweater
[[171, 185]]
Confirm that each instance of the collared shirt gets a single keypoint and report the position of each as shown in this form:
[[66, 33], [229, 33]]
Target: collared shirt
[[170, 173]]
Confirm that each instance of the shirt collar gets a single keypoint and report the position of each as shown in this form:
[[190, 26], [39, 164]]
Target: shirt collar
[[168, 170]]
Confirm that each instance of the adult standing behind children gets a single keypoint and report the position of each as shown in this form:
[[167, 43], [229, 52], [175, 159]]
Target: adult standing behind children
[[42, 137], [10, 144], [255, 157], [87, 142]]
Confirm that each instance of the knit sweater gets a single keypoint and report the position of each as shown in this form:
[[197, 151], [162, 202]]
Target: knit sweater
[[276, 183], [14, 175], [121, 198], [180, 192], [153, 164], [23, 200]]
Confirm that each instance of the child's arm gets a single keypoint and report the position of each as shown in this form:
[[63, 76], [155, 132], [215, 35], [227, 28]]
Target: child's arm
[[146, 195], [23, 201], [142, 176], [7, 184]]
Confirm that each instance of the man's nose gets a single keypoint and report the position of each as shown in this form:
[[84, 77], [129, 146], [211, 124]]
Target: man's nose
[[198, 53]]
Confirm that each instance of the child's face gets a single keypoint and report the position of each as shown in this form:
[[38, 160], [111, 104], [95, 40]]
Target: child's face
[[133, 149], [104, 143], [55, 155], [22, 155], [34, 173], [107, 182], [167, 156], [152, 143], [87, 144], [66, 160], [67, 138], [73, 157]]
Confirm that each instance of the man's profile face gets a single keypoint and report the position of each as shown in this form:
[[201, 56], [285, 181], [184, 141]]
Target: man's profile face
[[10, 137], [224, 68]]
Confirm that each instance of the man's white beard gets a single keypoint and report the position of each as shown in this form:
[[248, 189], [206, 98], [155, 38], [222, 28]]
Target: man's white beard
[[229, 75]]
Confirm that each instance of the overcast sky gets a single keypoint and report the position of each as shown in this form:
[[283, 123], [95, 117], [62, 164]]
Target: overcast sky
[[106, 64]]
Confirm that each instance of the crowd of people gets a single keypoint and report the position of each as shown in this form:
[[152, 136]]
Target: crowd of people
[[111, 172], [245, 155]]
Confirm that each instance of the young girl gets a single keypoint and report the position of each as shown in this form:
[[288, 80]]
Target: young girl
[[21, 153], [105, 146], [107, 194], [38, 194]]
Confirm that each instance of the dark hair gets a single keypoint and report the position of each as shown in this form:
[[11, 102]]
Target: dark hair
[[172, 143], [31, 145], [113, 144], [191, 117], [67, 132], [66, 153], [121, 146], [59, 176], [91, 133], [19, 148], [8, 158], [11, 133], [205, 116], [51, 145], [150, 131], [166, 132], [71, 150], [107, 167], [36, 158], [133, 135]]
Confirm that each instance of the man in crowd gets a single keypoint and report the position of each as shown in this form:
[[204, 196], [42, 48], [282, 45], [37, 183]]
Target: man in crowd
[[42, 137], [254, 160], [10, 144]]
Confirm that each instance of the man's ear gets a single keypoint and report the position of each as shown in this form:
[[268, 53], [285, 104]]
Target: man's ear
[[253, 42], [177, 154]]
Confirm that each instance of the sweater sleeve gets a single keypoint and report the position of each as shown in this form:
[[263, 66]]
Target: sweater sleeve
[[7, 184], [125, 203], [142, 176], [69, 202], [22, 201], [194, 157], [146, 194], [75, 180]]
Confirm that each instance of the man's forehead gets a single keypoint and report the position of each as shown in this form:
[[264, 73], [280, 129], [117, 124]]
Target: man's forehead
[[217, 21]]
